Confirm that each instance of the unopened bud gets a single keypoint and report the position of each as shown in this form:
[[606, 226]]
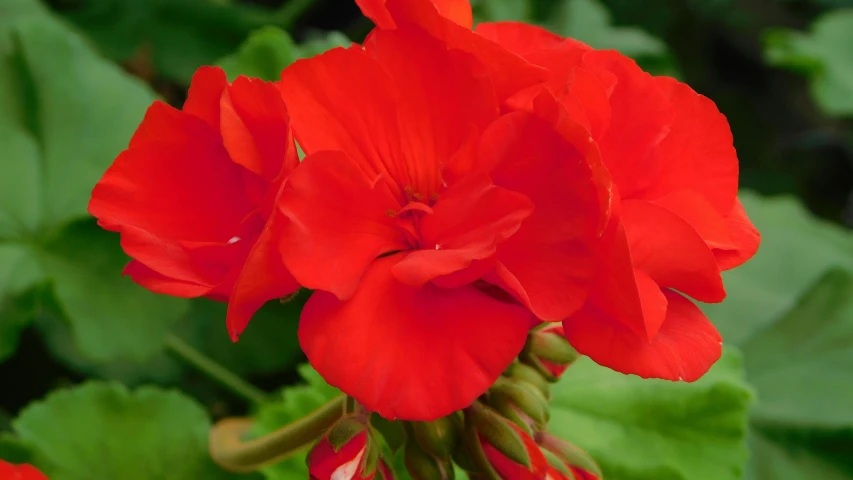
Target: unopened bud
[[423, 466], [502, 449], [549, 343], [549, 352], [576, 459], [499, 433], [346, 452], [520, 402], [526, 373], [383, 472], [437, 438], [559, 470]]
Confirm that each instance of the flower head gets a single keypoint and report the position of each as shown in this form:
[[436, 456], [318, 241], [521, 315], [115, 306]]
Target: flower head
[[429, 225], [20, 472], [676, 222], [193, 195]]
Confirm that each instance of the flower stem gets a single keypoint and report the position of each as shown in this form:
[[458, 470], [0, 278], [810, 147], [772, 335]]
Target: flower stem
[[230, 452], [215, 371]]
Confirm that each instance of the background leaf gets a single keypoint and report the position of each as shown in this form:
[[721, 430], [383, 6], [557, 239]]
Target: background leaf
[[823, 54], [100, 430], [653, 429]]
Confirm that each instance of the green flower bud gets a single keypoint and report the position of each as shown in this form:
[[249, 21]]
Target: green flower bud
[[437, 438], [496, 430], [520, 402], [548, 343], [423, 466], [526, 373], [570, 454]]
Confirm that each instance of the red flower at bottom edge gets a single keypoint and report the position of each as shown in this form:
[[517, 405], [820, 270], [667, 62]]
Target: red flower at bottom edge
[[20, 472]]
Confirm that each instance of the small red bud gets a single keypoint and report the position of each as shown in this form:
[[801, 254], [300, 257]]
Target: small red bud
[[580, 463], [342, 454], [549, 351], [509, 450]]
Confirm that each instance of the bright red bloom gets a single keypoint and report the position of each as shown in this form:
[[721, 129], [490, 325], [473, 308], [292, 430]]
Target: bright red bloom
[[415, 200], [676, 220], [193, 195], [509, 469], [325, 462], [20, 472]]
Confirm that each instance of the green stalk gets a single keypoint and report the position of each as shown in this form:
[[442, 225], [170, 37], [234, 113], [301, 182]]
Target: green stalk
[[230, 452], [215, 371]]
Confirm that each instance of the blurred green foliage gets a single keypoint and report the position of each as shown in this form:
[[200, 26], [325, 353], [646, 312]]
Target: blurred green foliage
[[70, 323]]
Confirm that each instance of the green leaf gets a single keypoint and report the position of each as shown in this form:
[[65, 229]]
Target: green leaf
[[653, 429], [174, 37], [18, 270], [792, 460], [269, 50], [296, 402], [112, 318], [104, 431], [796, 250], [65, 114], [801, 364], [823, 54], [263, 55], [268, 345], [13, 450], [503, 10], [590, 22]]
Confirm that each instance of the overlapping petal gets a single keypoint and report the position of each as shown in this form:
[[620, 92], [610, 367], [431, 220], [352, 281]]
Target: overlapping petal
[[548, 263], [193, 193], [412, 353], [338, 221], [684, 348]]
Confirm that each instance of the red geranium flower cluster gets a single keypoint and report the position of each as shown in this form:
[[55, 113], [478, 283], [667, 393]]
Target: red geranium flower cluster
[[459, 187]]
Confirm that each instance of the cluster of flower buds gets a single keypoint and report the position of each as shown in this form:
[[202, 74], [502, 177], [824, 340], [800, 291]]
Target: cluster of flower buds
[[502, 436]]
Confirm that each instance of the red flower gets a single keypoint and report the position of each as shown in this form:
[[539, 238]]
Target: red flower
[[414, 194], [193, 195], [325, 462], [19, 472], [458, 11], [676, 220], [538, 465]]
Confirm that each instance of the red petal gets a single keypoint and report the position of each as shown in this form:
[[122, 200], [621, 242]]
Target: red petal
[[508, 71], [698, 153], [262, 279], [640, 117], [441, 102], [701, 215], [457, 11], [145, 184], [256, 128], [411, 353], [467, 224], [670, 251], [324, 463], [376, 11], [162, 284], [337, 223], [745, 239], [684, 349], [550, 257], [357, 116], [206, 89], [623, 292]]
